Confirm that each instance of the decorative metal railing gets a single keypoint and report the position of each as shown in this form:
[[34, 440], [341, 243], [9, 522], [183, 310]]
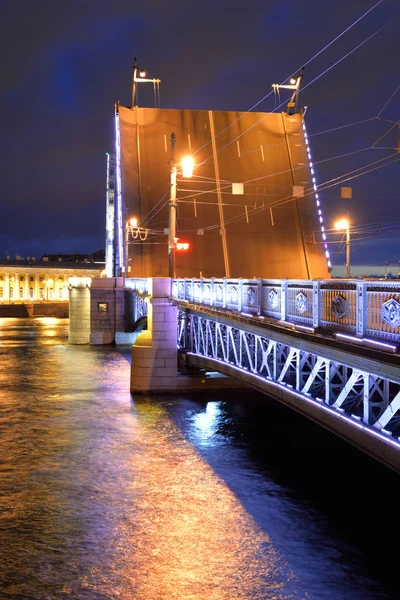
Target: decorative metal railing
[[360, 307], [140, 285], [365, 399]]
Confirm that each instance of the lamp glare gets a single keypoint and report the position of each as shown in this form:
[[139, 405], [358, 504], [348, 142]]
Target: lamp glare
[[187, 166], [341, 225]]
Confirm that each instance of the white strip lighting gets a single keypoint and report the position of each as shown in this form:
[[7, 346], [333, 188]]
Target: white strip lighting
[[382, 344], [351, 338], [311, 329], [295, 326], [350, 420], [315, 187], [119, 190], [247, 314], [286, 323]]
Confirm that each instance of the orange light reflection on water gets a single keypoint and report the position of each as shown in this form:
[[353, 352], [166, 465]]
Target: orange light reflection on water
[[192, 537]]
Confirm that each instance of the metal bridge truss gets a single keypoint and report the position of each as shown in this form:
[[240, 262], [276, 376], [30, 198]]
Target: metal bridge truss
[[367, 400]]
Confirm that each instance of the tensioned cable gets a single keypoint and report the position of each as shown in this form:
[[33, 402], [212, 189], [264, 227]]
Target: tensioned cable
[[310, 135], [304, 87], [366, 228], [308, 62], [213, 180], [385, 134], [147, 218], [326, 185], [296, 71], [341, 127], [392, 96], [321, 187], [250, 181], [271, 205], [386, 120]]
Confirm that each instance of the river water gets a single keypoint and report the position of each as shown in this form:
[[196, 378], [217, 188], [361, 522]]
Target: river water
[[231, 496]]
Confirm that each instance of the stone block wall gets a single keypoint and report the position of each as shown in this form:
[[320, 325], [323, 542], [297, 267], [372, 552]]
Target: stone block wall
[[107, 309], [79, 314], [154, 354]]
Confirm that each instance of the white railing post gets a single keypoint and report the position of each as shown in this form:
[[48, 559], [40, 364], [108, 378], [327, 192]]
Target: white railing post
[[212, 292], [316, 303], [284, 294], [259, 298], [362, 317], [224, 293], [240, 292], [192, 294]]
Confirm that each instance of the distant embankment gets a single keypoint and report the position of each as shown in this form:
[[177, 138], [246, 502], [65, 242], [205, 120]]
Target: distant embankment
[[40, 309]]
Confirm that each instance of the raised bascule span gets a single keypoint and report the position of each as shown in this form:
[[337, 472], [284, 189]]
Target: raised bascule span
[[253, 298], [249, 210]]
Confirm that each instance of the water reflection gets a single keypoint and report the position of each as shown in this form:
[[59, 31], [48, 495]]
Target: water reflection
[[194, 539], [103, 496], [207, 423]]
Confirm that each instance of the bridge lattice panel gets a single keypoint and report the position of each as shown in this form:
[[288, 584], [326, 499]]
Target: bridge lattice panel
[[367, 400]]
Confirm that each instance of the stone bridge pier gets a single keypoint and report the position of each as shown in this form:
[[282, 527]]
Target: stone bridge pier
[[155, 366], [155, 351]]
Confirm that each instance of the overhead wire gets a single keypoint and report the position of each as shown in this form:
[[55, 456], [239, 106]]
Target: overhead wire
[[326, 185], [147, 217], [385, 134], [296, 71], [391, 97], [304, 87], [321, 187]]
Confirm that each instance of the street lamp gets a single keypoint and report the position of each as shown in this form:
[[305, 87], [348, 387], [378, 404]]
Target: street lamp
[[344, 225], [294, 84], [187, 166], [143, 79], [132, 230]]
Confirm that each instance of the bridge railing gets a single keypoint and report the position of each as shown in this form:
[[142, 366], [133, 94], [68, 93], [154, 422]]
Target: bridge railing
[[356, 307]]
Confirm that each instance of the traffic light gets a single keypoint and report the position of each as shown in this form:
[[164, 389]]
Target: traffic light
[[182, 246]]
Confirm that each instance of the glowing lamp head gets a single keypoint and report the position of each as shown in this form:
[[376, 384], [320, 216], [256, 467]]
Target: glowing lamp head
[[182, 246], [292, 81], [142, 73], [133, 222], [187, 166], [342, 225]]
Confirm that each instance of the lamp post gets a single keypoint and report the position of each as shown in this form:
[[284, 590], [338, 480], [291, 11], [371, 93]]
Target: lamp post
[[344, 225], [187, 165], [172, 210], [143, 79]]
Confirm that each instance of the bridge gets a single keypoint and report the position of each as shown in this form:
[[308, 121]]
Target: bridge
[[328, 349]]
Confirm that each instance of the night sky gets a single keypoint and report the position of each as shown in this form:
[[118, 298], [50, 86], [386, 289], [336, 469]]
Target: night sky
[[65, 64]]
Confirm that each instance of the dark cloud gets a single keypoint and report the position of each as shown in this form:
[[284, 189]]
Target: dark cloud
[[65, 64]]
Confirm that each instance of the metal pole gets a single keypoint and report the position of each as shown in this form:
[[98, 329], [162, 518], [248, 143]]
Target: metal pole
[[134, 82], [172, 211], [348, 253], [126, 257]]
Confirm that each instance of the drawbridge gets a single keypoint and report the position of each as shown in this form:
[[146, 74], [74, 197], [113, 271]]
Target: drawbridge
[[251, 208]]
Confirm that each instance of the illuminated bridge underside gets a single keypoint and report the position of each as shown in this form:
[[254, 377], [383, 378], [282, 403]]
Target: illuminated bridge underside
[[264, 232], [359, 403]]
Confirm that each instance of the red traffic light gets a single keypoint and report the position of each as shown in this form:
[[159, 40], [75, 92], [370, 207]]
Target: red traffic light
[[182, 246]]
